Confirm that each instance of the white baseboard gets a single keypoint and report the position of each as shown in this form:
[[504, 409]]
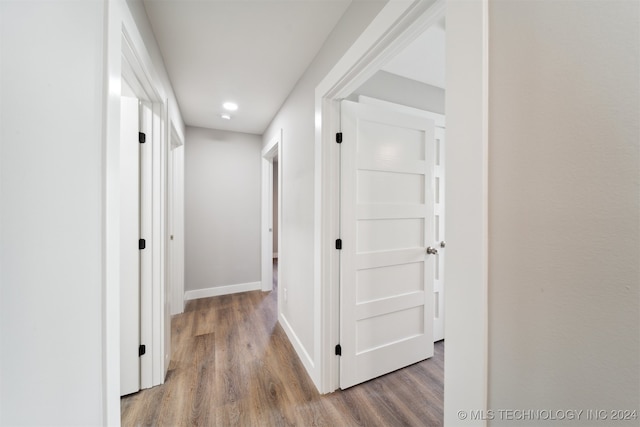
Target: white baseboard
[[307, 361], [222, 290]]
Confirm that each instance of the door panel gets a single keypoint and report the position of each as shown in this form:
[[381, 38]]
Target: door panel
[[387, 219], [129, 253], [385, 234], [372, 283], [376, 187]]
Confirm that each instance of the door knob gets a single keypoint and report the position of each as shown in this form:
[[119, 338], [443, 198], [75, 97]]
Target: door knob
[[432, 251]]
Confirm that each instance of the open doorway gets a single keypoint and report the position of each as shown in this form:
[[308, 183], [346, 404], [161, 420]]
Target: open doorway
[[391, 214], [136, 262], [467, 134], [175, 223], [130, 361], [271, 212], [145, 320]]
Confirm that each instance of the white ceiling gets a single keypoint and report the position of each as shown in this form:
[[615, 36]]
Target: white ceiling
[[424, 59], [251, 52]]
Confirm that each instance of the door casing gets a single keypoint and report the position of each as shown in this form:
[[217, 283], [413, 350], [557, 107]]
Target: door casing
[[175, 213], [153, 215], [271, 151], [129, 252], [126, 58], [397, 25]]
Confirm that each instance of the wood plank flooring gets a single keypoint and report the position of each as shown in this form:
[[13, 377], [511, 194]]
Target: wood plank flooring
[[232, 365]]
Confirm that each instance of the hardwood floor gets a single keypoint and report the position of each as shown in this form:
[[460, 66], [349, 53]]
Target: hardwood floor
[[232, 365]]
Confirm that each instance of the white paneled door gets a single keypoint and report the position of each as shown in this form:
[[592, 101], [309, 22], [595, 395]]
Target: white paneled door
[[129, 251], [387, 225], [438, 150], [438, 230]]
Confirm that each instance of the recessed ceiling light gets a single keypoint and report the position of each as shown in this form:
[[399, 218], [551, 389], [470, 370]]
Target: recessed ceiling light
[[231, 106], [226, 116]]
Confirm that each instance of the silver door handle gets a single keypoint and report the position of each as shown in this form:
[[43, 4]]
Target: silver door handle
[[431, 251]]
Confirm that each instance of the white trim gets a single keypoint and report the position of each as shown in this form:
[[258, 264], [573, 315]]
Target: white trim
[[269, 153], [221, 290], [438, 119], [111, 228], [466, 216], [397, 25], [161, 310], [305, 358], [153, 214], [152, 316], [176, 140], [126, 54]]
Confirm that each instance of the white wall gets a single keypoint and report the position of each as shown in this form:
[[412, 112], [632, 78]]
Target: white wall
[[58, 345], [564, 196], [404, 91], [51, 224], [296, 118], [222, 209]]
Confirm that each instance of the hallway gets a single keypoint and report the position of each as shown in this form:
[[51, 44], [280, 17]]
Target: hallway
[[233, 365]]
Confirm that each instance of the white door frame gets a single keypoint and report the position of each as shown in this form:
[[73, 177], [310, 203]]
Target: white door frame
[[398, 24], [174, 238], [129, 252], [153, 221], [126, 56], [272, 150], [175, 262]]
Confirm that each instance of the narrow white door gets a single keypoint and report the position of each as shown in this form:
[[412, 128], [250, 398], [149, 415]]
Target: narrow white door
[[169, 284], [387, 222], [129, 252], [439, 206], [148, 300]]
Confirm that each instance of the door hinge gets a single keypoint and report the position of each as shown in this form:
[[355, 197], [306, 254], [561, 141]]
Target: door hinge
[[339, 137], [142, 137], [338, 244], [142, 244], [338, 350], [142, 350]]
